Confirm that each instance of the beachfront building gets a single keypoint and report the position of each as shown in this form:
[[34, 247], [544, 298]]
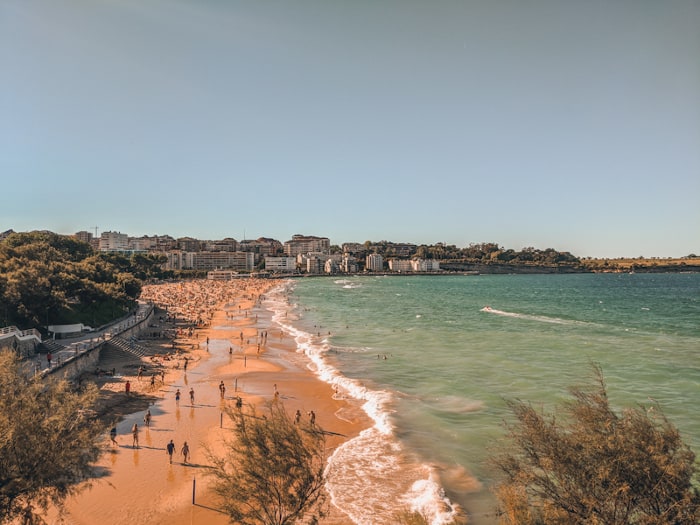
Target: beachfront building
[[400, 265], [114, 242], [301, 244], [281, 264], [425, 265], [314, 263], [374, 262], [331, 266], [181, 260], [348, 264]]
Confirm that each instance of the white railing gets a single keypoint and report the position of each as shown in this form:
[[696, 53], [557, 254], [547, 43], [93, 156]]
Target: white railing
[[13, 331]]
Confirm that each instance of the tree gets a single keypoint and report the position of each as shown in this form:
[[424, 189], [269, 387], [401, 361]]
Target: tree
[[598, 467], [43, 273], [272, 472], [48, 443]]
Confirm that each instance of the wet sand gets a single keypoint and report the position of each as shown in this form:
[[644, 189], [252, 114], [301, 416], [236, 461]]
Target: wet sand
[[139, 485]]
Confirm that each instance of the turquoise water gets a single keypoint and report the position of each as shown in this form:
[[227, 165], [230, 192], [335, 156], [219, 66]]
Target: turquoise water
[[433, 367]]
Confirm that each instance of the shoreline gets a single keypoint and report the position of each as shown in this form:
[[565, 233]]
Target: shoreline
[[235, 343]]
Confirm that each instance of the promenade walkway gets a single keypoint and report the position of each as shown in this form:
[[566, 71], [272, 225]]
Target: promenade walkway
[[64, 350]]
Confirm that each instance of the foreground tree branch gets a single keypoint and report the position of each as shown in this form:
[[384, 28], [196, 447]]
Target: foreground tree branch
[[48, 443], [272, 471], [596, 466]]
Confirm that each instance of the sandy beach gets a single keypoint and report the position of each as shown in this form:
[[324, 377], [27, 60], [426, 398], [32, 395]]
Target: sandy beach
[[234, 341]]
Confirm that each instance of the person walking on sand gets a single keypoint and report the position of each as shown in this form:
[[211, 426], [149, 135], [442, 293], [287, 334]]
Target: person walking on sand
[[170, 448], [191, 396], [222, 389], [177, 396], [185, 452], [127, 387], [135, 434], [297, 417], [147, 418], [113, 435], [312, 418]]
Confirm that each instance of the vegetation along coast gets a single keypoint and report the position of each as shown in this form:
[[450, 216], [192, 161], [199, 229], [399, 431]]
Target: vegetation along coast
[[202, 362]]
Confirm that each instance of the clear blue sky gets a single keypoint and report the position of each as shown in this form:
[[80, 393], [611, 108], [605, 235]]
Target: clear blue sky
[[572, 125]]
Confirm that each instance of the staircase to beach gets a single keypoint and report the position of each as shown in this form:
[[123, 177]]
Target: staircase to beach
[[129, 345]]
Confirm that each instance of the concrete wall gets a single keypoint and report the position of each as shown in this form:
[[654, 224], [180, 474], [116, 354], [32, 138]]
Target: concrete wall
[[25, 347], [71, 369], [72, 366]]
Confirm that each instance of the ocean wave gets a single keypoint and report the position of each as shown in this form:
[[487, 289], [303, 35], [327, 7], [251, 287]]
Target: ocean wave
[[529, 317], [348, 285], [373, 481], [371, 478]]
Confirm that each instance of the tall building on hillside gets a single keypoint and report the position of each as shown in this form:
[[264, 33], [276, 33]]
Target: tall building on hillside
[[114, 242], [224, 245], [306, 244], [188, 244], [353, 247], [263, 246], [83, 236]]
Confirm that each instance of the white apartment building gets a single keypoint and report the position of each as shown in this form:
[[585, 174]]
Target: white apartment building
[[114, 242], [374, 262], [400, 265], [426, 265], [280, 264], [179, 260]]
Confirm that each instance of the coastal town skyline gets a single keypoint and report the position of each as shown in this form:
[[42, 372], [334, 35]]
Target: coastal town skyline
[[571, 126]]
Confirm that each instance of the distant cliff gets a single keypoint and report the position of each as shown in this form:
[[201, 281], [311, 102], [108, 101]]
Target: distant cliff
[[503, 268], [585, 266]]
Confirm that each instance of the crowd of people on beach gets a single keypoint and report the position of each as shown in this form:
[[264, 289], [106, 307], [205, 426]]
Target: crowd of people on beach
[[196, 301]]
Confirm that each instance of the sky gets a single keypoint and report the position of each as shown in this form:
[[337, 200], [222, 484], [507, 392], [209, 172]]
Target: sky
[[572, 125]]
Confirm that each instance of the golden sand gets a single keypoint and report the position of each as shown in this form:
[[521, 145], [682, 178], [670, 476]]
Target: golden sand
[[139, 485]]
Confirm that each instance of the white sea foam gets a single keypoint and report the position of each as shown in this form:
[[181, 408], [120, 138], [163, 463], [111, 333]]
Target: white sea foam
[[370, 477], [540, 318], [348, 285], [428, 499]]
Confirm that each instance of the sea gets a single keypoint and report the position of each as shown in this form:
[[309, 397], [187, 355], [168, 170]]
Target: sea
[[433, 361]]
